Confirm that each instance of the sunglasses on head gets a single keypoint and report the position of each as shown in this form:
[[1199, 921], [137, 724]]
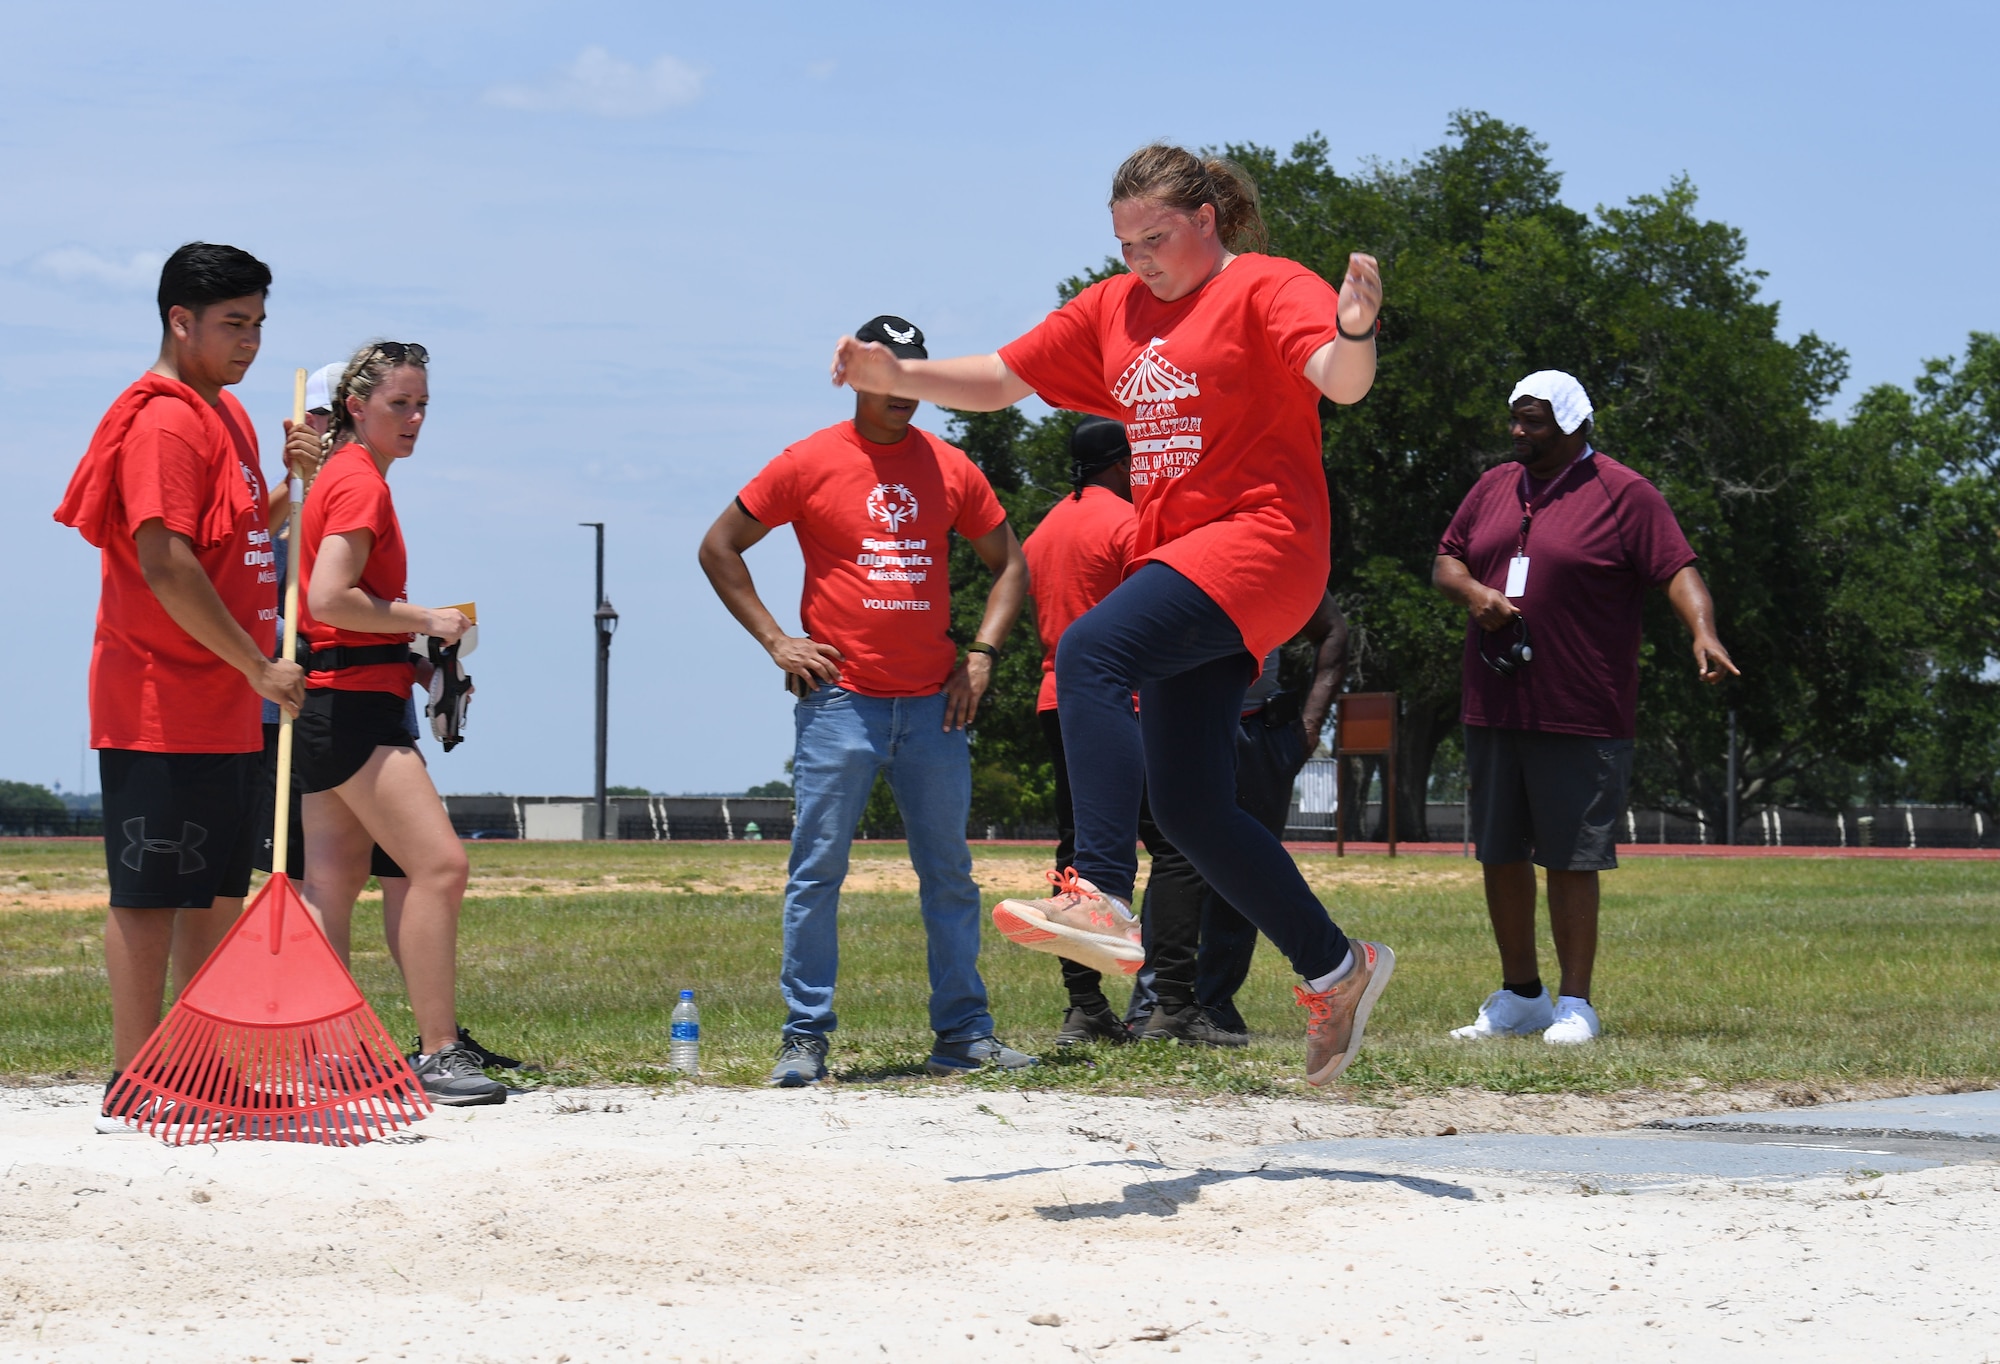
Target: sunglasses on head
[[399, 352]]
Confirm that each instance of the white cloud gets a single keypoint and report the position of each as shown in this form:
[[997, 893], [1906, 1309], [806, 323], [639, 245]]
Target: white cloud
[[73, 264], [599, 83]]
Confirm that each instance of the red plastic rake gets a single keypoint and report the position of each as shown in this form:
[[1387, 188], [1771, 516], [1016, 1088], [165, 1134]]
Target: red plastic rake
[[271, 1040]]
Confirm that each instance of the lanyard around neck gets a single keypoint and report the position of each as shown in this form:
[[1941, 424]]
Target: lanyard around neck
[[1528, 504]]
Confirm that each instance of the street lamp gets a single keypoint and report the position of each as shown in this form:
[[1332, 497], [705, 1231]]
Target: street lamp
[[606, 621]]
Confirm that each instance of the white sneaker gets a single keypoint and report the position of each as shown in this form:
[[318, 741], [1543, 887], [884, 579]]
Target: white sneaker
[[1506, 1014], [1575, 1022]]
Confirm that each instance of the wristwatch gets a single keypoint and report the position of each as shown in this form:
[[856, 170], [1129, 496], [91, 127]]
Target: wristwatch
[[980, 646]]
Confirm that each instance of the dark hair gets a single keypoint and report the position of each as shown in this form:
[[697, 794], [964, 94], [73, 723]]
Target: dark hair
[[199, 274], [1178, 178], [371, 364]]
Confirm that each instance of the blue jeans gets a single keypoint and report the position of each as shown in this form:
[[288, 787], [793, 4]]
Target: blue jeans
[[844, 740], [1160, 633]]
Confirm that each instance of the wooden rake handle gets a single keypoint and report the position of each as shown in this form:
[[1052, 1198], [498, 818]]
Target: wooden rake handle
[[281, 831]]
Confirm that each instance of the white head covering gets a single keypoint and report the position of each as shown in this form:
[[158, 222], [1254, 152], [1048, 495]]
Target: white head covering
[[1563, 394], [320, 385]]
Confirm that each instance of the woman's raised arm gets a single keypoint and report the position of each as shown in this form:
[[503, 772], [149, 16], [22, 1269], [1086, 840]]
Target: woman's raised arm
[[971, 383]]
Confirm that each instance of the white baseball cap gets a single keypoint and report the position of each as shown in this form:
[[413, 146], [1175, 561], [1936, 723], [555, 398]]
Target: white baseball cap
[[320, 385], [1563, 394]]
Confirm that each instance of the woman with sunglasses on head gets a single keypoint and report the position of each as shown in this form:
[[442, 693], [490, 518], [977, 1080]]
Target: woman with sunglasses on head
[[1215, 358], [365, 783]]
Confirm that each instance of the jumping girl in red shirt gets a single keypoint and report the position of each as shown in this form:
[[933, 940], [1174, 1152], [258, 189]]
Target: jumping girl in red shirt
[[1215, 361], [365, 783]]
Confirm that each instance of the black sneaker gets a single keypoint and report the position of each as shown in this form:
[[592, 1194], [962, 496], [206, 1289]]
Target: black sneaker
[[801, 1062], [487, 1059], [1189, 1025], [452, 1077], [1086, 1023]]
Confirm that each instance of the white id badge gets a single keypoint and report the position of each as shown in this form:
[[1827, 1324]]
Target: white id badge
[[1517, 576]]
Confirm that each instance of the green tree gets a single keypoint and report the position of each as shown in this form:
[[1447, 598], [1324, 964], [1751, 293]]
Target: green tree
[[28, 796], [1852, 563], [1945, 434]]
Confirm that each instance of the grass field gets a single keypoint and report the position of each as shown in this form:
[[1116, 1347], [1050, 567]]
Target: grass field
[[1799, 971]]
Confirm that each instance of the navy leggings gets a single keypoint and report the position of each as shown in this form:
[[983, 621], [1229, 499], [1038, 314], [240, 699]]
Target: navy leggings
[[1160, 634]]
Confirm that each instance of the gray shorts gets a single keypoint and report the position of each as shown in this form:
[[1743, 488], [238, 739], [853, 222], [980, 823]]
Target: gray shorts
[[1556, 798]]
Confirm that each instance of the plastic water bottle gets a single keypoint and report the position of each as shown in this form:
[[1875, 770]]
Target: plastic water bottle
[[684, 1050]]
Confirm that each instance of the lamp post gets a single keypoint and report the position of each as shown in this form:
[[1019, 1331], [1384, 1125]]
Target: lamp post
[[606, 622], [1732, 776]]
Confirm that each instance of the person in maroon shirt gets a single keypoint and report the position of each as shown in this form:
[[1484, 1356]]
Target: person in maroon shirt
[[1552, 556]]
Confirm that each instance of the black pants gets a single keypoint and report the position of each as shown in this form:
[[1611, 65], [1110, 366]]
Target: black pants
[[1173, 895], [1271, 747]]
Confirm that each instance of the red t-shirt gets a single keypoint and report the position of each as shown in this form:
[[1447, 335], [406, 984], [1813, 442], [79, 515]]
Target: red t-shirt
[[1601, 536], [351, 494], [1224, 426], [872, 522], [1075, 557], [163, 453]]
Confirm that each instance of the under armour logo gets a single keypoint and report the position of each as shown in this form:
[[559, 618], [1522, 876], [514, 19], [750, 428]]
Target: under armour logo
[[900, 338], [138, 845]]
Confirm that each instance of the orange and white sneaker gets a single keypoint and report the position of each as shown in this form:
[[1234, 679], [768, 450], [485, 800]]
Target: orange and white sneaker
[[1336, 1015], [1079, 922]]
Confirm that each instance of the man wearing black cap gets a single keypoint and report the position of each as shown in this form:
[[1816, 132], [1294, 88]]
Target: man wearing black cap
[[881, 689]]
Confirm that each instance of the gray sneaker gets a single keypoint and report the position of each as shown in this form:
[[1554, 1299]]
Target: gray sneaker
[[801, 1062], [962, 1058], [452, 1078]]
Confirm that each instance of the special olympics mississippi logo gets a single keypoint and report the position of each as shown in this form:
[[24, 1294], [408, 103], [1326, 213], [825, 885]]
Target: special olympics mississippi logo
[[893, 505]]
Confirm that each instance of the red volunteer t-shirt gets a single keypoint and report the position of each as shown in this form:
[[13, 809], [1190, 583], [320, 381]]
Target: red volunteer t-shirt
[[153, 687], [1075, 557], [1224, 427], [1601, 536], [351, 494], [872, 522]]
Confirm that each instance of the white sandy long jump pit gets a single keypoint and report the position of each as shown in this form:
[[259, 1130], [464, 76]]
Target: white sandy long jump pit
[[939, 1224]]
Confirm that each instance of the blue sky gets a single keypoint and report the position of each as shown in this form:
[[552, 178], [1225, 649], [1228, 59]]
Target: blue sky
[[630, 233]]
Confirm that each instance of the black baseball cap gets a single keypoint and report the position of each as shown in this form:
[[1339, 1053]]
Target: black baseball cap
[[902, 338], [1095, 445]]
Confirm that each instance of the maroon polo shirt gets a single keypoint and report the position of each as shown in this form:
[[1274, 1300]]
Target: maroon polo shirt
[[1601, 535]]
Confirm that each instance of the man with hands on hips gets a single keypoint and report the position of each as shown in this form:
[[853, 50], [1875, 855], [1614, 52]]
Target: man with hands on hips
[[881, 688], [1551, 555]]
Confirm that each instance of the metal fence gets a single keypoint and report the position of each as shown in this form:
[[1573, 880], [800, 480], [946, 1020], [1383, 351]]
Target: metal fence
[[639, 818], [1316, 796], [35, 822], [679, 818]]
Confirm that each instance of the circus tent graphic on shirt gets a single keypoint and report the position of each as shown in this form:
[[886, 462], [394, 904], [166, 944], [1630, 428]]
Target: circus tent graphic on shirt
[[1152, 378]]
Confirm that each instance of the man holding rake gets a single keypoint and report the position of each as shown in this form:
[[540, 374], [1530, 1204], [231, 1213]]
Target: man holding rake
[[171, 493]]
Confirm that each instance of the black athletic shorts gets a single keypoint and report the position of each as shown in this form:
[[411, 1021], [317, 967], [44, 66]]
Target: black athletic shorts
[[338, 732], [179, 828], [379, 862], [1556, 798]]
